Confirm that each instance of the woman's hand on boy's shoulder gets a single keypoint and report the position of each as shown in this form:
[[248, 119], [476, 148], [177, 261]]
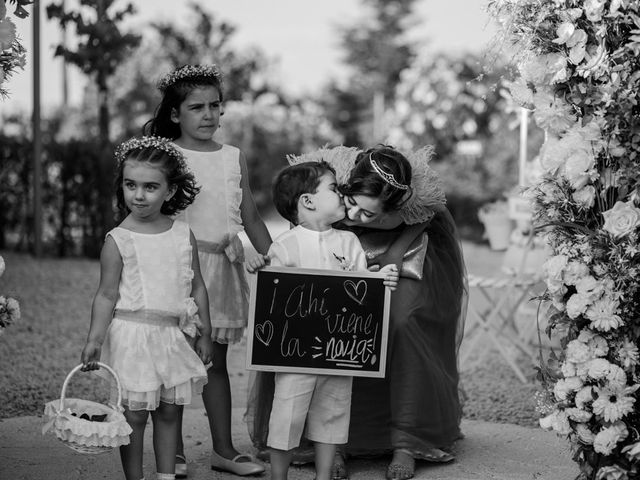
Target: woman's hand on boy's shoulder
[[391, 275], [256, 263]]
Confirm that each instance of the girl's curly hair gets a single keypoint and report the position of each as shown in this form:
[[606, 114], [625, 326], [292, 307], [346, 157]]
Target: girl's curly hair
[[174, 168]]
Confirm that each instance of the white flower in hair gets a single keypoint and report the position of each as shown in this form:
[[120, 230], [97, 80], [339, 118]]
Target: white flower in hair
[[139, 143], [189, 71]]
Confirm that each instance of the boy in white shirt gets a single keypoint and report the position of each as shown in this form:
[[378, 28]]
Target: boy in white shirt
[[306, 194]]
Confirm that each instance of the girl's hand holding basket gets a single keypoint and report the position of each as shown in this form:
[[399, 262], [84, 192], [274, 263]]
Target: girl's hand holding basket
[[86, 426]]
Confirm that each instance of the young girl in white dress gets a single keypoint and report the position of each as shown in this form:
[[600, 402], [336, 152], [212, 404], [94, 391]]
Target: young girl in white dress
[[151, 296], [190, 114]]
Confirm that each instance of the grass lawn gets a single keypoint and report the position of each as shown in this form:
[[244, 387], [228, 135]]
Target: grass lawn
[[55, 298]]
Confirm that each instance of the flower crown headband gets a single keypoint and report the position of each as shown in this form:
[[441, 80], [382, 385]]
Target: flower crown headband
[[159, 143], [387, 177], [189, 71]]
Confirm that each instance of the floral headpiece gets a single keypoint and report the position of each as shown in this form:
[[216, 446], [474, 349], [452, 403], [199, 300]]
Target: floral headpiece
[[189, 71], [387, 177], [159, 143]]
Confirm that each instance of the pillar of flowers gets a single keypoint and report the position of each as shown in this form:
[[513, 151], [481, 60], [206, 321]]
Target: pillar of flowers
[[578, 64], [12, 53]]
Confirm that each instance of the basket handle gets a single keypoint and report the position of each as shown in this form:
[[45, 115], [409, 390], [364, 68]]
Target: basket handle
[[78, 367]]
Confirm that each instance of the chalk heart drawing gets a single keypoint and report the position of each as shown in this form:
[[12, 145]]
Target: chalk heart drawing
[[357, 291], [264, 332]]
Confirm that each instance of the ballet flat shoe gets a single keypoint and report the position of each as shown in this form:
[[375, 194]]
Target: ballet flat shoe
[[181, 466], [250, 467]]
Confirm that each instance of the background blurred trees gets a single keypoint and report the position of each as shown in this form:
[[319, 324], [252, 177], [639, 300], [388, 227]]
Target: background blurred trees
[[446, 100], [457, 104], [102, 47], [376, 50]]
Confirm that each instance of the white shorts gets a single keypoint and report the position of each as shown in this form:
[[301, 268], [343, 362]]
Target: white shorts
[[323, 401]]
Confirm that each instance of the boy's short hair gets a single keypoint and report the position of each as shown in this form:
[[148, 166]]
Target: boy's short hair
[[292, 182]]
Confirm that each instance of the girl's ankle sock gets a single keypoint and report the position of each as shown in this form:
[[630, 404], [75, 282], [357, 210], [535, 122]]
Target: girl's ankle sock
[[165, 476]]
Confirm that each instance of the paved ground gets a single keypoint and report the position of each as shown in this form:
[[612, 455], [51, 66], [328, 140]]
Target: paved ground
[[488, 451]]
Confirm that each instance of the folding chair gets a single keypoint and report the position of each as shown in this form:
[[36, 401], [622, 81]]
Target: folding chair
[[496, 324]]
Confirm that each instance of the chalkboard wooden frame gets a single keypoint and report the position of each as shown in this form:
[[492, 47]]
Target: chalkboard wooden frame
[[376, 351]]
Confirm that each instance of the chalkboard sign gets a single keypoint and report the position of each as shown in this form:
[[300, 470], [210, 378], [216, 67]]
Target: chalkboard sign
[[326, 322]]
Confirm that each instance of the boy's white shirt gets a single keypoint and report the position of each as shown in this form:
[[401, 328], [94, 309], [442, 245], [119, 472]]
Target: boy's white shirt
[[330, 249]]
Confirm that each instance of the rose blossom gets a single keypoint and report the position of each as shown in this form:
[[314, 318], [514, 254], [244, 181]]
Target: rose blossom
[[554, 266], [574, 271], [628, 354], [588, 286], [616, 377], [632, 451], [593, 9], [579, 415], [612, 472], [585, 197], [557, 421], [598, 368], [565, 386], [578, 352], [607, 439], [577, 305], [585, 435], [584, 396], [578, 164], [622, 219], [568, 369]]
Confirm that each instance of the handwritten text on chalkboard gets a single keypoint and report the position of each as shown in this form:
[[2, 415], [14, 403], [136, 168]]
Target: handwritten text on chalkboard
[[318, 321]]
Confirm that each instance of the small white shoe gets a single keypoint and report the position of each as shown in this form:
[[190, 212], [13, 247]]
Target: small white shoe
[[181, 466], [248, 467]]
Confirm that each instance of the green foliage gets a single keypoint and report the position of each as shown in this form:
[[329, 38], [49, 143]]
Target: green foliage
[[70, 189], [12, 53], [104, 46], [377, 51], [376, 47], [135, 95], [268, 130], [443, 101], [101, 48]]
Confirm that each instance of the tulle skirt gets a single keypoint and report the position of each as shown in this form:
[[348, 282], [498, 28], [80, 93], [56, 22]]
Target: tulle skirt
[[154, 363], [228, 291], [417, 406]]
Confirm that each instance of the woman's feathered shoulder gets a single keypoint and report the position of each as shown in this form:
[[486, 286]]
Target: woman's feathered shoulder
[[341, 158], [428, 194]]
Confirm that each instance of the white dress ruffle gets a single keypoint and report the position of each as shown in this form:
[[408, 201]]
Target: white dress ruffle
[[152, 357], [214, 218]]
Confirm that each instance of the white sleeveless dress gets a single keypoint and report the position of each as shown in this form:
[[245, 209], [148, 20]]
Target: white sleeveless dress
[[214, 218], [145, 344]]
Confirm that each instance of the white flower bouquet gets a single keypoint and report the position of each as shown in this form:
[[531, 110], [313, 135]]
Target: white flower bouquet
[[578, 64], [12, 53], [9, 307]]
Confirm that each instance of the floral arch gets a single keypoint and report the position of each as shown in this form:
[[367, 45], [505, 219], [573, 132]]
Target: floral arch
[[579, 72]]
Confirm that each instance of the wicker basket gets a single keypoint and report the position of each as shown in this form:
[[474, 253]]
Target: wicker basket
[[63, 418]]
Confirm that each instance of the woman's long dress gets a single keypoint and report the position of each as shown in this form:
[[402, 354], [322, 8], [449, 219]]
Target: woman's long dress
[[417, 405]]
